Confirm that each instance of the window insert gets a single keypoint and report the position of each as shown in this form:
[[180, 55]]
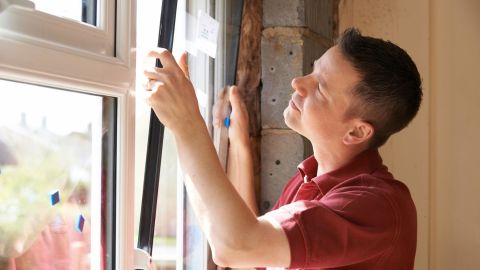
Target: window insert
[[192, 248], [155, 141]]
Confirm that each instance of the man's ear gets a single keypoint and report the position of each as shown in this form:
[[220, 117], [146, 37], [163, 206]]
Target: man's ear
[[360, 132]]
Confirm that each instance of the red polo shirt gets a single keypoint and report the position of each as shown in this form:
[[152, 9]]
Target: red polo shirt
[[356, 217]]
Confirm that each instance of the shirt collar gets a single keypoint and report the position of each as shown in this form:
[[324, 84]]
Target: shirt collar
[[366, 162]]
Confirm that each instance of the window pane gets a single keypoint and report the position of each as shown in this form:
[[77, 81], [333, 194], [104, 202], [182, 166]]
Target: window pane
[[165, 238], [79, 10], [56, 178], [165, 235]]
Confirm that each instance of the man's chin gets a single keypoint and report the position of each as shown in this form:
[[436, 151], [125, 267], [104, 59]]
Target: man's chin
[[285, 117], [289, 122]]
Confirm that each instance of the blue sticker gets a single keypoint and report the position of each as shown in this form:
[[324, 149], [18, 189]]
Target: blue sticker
[[227, 121], [54, 197], [79, 223]]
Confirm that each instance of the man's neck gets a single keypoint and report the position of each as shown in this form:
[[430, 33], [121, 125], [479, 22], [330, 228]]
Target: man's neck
[[330, 159]]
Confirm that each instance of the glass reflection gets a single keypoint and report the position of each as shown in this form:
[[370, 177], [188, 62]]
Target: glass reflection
[[53, 179], [78, 10]]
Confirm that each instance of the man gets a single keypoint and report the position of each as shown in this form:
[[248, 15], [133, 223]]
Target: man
[[343, 209]]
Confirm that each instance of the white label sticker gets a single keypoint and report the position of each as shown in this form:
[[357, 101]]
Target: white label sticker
[[207, 34]]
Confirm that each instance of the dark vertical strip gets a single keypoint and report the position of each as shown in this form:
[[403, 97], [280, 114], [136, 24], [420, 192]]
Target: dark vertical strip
[[110, 261], [116, 26], [234, 21], [108, 182], [155, 141], [89, 12]]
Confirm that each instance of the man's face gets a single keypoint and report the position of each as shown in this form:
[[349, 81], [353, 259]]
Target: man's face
[[318, 105]]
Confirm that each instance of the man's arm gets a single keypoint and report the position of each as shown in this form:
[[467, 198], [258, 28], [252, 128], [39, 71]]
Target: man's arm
[[237, 237], [240, 173], [240, 161]]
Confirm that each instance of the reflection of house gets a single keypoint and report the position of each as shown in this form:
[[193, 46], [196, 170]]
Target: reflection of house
[[22, 145], [77, 150], [6, 155]]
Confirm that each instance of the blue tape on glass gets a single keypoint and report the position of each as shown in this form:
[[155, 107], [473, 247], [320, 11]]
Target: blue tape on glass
[[54, 197], [80, 223], [226, 122]]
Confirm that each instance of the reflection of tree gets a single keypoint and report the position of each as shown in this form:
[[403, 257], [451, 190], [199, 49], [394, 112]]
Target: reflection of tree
[[43, 162], [24, 203]]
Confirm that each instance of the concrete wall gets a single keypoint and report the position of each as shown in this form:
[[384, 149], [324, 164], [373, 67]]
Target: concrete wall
[[437, 155], [296, 32]]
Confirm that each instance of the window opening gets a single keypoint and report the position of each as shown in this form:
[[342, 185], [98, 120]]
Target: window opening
[[209, 75]]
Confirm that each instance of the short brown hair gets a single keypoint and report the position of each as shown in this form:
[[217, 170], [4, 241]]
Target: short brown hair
[[389, 93]]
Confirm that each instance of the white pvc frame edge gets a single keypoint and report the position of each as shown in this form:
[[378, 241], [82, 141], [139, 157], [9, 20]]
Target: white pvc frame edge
[[47, 63], [126, 44], [124, 257], [55, 67], [25, 20]]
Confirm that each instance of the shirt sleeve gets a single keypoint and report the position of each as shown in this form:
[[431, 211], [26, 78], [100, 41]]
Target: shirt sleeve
[[346, 227]]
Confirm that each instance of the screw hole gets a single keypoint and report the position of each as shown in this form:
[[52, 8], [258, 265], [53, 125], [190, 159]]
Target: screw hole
[[290, 52], [277, 162]]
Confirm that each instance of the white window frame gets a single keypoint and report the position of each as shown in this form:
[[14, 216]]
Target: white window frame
[[21, 18], [86, 59]]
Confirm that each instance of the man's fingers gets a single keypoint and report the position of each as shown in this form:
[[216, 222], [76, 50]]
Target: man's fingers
[[165, 57], [156, 74], [235, 99], [183, 63]]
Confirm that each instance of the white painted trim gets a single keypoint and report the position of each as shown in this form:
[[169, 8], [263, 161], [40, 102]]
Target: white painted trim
[[126, 44], [125, 183]]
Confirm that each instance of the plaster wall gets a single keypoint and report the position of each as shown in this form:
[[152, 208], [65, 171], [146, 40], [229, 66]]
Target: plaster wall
[[437, 155]]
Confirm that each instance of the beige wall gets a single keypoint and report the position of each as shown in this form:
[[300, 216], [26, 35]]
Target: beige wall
[[437, 154]]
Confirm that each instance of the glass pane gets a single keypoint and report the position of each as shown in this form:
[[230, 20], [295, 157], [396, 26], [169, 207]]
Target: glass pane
[[165, 236], [56, 178], [79, 10], [165, 239]]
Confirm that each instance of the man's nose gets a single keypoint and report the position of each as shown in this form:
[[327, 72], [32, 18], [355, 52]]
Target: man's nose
[[299, 85]]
